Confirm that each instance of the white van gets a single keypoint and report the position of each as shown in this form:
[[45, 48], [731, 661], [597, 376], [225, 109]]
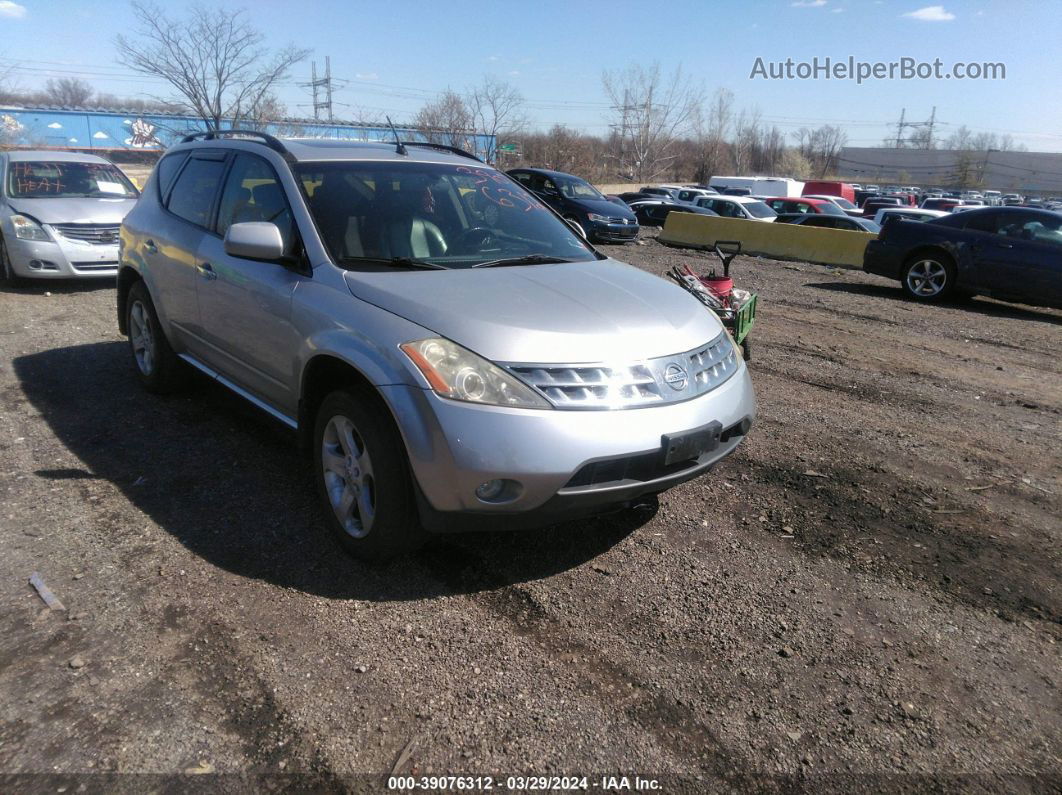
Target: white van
[[760, 186]]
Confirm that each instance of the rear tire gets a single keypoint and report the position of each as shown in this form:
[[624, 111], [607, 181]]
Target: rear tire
[[7, 270], [159, 369], [929, 277], [363, 476]]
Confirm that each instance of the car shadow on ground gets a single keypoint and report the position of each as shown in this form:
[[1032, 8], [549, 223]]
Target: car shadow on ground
[[232, 486], [983, 306]]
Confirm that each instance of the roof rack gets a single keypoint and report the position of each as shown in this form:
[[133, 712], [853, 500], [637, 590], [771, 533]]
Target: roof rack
[[209, 135], [442, 148]]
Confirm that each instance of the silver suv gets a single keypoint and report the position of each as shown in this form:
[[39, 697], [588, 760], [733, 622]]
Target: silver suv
[[453, 355]]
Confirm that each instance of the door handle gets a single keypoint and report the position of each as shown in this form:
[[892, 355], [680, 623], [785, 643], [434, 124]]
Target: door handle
[[206, 270], [1005, 245], [150, 246]]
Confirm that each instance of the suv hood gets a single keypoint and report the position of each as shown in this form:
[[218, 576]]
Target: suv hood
[[569, 313], [74, 211]]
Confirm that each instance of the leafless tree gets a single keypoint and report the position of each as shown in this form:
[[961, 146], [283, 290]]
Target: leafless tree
[[711, 127], [821, 146], [651, 112], [447, 120], [213, 59], [496, 109], [68, 92], [960, 139]]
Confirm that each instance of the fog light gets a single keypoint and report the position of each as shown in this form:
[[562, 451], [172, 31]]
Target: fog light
[[490, 490], [498, 491]]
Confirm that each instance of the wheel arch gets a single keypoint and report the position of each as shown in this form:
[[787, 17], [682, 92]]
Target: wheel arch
[[127, 277], [324, 373]]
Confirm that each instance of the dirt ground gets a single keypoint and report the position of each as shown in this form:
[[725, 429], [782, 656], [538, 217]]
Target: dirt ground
[[864, 596]]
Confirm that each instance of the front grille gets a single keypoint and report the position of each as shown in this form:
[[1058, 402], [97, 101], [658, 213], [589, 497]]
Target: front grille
[[667, 379], [100, 234]]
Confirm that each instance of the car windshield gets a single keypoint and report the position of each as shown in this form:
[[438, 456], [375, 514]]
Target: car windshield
[[577, 189], [844, 204], [446, 215], [759, 209], [42, 179]]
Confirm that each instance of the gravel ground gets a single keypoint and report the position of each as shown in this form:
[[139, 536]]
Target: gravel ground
[[866, 595]]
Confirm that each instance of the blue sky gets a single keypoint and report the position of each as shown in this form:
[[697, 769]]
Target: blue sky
[[394, 56]]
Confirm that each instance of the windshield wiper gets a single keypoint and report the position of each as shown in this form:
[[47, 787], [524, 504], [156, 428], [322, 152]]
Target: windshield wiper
[[399, 262], [527, 259]]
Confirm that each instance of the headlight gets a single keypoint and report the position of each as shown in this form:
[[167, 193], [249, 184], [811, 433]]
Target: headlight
[[459, 374], [596, 217], [28, 229]]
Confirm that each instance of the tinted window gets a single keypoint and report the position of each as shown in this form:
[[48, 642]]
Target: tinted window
[[253, 193], [193, 195], [167, 169], [983, 222]]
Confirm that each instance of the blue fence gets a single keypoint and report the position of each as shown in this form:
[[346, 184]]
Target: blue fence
[[110, 131]]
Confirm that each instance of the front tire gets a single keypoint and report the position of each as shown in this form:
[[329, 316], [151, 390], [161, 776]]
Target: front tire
[[929, 277], [159, 369], [363, 476]]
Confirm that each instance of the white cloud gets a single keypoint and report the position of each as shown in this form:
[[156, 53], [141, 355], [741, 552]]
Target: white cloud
[[493, 57], [366, 76], [808, 3], [514, 73], [101, 134], [73, 140], [931, 14], [55, 126], [10, 9], [837, 10]]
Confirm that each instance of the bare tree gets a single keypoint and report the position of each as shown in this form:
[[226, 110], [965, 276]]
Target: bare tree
[[960, 139], [650, 114], [496, 109], [711, 127], [447, 120], [213, 59], [68, 92]]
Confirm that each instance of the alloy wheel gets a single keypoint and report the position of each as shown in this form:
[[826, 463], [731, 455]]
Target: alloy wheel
[[927, 278], [348, 476], [142, 338]]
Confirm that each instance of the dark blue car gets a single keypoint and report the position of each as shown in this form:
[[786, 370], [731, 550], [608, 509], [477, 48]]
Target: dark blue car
[[581, 204], [1012, 253]]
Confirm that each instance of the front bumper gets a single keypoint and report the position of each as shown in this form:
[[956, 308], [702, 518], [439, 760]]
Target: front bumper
[[614, 233], [61, 258], [454, 447]]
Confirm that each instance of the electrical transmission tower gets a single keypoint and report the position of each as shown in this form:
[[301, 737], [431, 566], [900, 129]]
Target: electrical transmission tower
[[321, 89], [927, 141]]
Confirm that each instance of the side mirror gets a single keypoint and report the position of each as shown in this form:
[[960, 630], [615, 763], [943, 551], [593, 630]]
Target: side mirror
[[254, 240]]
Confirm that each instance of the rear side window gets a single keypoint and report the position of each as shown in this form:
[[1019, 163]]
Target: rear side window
[[192, 197], [167, 169]]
